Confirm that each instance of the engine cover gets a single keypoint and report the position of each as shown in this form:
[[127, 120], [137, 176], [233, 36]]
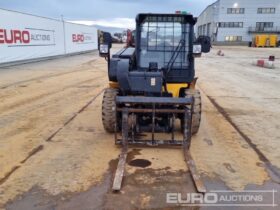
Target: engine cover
[[146, 82], [138, 81]]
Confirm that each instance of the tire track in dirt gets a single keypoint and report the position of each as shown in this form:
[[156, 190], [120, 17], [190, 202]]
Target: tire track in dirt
[[6, 177], [41, 147], [43, 77], [26, 118], [271, 169], [44, 105], [74, 116], [48, 98], [38, 97]]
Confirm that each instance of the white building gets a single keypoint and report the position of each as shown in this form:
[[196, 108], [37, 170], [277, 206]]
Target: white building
[[237, 21]]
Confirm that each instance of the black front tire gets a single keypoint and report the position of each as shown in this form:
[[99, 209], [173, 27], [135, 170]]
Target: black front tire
[[196, 115], [109, 109]]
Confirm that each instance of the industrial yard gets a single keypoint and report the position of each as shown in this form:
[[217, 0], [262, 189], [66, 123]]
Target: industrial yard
[[55, 154]]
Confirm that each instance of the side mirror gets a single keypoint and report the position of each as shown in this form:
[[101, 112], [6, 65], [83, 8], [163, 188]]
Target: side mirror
[[104, 44], [204, 42]]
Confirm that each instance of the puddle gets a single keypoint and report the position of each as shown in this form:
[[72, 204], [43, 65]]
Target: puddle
[[141, 163]]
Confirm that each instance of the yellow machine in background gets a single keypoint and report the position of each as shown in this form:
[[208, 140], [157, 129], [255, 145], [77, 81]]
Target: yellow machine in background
[[265, 40]]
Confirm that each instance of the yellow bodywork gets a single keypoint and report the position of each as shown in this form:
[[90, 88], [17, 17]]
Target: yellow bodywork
[[175, 88], [171, 87], [113, 85]]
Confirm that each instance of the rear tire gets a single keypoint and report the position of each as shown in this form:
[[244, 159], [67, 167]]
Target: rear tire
[[196, 115], [109, 109]]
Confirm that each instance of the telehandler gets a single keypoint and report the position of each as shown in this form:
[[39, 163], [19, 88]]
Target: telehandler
[[153, 84]]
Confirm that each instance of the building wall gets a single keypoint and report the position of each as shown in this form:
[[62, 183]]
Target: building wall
[[249, 18], [28, 37], [206, 23]]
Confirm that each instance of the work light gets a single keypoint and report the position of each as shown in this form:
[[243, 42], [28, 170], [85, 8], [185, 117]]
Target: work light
[[197, 49], [104, 48]]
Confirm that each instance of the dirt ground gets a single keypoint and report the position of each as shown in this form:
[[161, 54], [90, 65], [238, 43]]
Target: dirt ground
[[54, 153]]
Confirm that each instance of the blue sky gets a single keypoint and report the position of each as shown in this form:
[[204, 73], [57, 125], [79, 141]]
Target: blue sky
[[117, 13]]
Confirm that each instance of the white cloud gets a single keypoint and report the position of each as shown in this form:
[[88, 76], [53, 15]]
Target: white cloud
[[115, 22]]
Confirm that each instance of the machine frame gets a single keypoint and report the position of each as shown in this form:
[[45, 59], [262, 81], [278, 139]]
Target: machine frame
[[150, 99]]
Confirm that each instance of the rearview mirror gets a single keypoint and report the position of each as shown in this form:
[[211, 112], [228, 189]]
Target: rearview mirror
[[205, 43]]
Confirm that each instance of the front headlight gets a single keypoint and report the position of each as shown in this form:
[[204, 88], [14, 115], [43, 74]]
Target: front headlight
[[104, 48], [197, 49]]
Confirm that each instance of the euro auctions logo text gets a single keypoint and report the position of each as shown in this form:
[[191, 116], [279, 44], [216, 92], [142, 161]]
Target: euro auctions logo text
[[252, 198], [82, 38], [26, 37], [78, 38], [14, 36]]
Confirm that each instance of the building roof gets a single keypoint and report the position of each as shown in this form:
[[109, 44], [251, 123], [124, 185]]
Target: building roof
[[208, 7]]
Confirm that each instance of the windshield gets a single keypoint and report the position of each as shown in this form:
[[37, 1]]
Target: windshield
[[160, 37]]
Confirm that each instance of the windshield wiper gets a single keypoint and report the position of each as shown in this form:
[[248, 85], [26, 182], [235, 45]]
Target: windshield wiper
[[174, 56]]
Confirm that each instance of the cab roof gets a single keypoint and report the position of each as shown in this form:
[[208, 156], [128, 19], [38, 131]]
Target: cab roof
[[188, 18]]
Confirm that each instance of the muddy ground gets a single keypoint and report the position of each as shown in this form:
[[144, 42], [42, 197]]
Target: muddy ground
[[54, 153]]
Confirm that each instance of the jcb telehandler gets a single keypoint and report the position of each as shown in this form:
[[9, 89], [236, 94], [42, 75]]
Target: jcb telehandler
[[152, 85]]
